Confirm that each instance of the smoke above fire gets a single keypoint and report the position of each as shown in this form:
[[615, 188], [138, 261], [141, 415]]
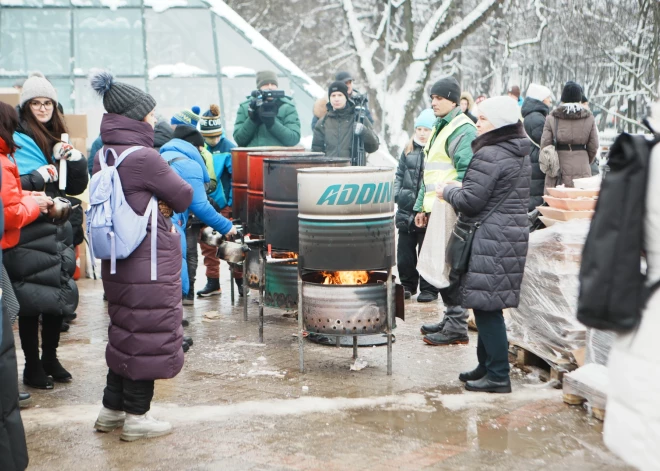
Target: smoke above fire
[[345, 277]]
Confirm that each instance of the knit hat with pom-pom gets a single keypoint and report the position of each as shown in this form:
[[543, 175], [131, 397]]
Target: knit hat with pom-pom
[[210, 123], [37, 86], [121, 98], [186, 117]]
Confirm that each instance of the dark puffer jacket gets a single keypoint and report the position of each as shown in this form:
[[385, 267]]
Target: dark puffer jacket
[[41, 266], [534, 113], [13, 450], [499, 251], [145, 333], [407, 181], [334, 133]]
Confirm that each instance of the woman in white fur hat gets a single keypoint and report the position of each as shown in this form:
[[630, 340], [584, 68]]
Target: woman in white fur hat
[[494, 194]]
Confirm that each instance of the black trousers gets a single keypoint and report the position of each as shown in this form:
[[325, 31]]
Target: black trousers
[[28, 330], [493, 346], [133, 397], [192, 236], [407, 250]]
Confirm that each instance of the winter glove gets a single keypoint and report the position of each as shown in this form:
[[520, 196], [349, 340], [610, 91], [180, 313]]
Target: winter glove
[[48, 173], [268, 121], [64, 151], [359, 129], [253, 111]]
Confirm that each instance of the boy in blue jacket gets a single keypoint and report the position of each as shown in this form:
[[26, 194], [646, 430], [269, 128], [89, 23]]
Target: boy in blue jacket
[[220, 148], [182, 154]]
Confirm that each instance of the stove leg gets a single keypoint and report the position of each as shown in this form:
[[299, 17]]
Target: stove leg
[[355, 340], [246, 290], [338, 341], [262, 285], [231, 283], [390, 313], [301, 328]]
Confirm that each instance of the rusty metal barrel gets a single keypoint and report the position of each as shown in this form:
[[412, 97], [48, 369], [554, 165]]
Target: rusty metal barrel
[[240, 177], [280, 210]]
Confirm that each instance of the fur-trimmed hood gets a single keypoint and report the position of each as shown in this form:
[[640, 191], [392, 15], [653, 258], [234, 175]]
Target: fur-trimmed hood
[[320, 109], [571, 111], [496, 136]]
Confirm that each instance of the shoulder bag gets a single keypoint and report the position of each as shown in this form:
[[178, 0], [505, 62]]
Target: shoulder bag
[[459, 247]]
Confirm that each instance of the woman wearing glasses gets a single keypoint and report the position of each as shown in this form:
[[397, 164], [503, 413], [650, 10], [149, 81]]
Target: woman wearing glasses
[[41, 265]]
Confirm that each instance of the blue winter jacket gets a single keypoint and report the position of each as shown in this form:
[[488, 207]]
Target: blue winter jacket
[[187, 162], [222, 194]]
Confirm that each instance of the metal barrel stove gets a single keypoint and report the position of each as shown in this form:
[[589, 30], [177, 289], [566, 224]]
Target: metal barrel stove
[[240, 176], [280, 216], [346, 233], [280, 189]]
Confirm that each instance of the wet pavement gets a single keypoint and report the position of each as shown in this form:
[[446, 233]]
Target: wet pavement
[[242, 405]]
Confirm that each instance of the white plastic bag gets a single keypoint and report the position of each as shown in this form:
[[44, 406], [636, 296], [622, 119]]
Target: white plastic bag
[[431, 260]]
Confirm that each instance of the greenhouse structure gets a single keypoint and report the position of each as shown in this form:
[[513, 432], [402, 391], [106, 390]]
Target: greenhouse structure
[[183, 52]]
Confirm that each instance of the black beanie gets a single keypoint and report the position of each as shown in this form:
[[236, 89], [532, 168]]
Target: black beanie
[[448, 88], [338, 87], [189, 134], [572, 93]]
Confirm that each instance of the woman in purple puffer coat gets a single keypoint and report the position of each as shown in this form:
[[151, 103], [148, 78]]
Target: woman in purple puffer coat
[[145, 333]]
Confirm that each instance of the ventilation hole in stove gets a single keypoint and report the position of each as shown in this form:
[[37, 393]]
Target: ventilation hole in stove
[[334, 327], [359, 321], [348, 322], [354, 328], [377, 319], [364, 328], [368, 321], [338, 321]]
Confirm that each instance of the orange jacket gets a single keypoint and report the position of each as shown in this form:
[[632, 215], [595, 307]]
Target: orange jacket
[[20, 208]]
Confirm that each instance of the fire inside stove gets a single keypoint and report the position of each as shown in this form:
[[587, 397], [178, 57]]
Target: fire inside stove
[[285, 255], [345, 277]]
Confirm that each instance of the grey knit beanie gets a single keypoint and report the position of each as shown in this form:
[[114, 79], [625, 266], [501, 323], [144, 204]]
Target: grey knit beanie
[[121, 98], [265, 77], [37, 86]]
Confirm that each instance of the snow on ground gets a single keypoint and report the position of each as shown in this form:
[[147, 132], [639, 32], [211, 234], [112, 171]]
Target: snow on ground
[[475, 400], [272, 407]]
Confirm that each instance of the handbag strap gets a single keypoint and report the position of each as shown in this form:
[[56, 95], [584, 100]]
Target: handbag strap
[[554, 132], [513, 187]]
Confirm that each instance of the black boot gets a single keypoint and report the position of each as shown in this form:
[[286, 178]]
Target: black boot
[[442, 338], [50, 339], [68, 318], [477, 373], [239, 285], [488, 385], [33, 374], [24, 399], [212, 288], [188, 299], [64, 327]]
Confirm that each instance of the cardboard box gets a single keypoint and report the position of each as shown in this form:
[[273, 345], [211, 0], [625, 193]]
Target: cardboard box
[[76, 124], [79, 143], [11, 96]]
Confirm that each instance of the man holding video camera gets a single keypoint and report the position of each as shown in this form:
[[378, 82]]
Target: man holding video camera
[[267, 117]]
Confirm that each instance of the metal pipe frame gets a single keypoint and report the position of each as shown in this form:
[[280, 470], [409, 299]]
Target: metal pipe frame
[[301, 328], [262, 287], [390, 320], [246, 291]]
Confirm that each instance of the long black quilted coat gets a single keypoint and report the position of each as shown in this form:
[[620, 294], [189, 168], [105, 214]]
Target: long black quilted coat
[[534, 113], [499, 251]]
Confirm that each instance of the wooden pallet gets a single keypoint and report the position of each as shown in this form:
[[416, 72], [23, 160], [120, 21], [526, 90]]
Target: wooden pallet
[[575, 400], [526, 360]]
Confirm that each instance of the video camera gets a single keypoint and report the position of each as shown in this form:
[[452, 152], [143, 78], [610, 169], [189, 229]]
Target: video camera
[[266, 103]]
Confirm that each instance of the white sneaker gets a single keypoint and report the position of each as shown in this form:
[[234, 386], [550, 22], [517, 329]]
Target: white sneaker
[[109, 420], [144, 426]]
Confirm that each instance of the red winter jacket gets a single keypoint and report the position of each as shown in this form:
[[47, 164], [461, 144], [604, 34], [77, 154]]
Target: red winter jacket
[[20, 208]]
